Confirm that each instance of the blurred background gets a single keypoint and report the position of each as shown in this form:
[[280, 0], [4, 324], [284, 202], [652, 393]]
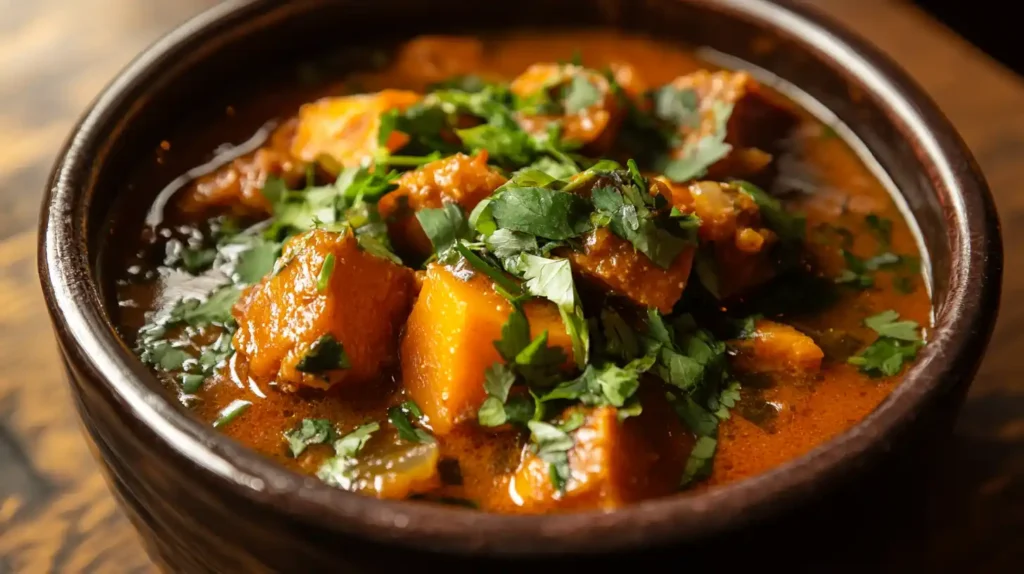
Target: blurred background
[[55, 56]]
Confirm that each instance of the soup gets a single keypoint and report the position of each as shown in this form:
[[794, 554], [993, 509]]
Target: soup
[[526, 274]]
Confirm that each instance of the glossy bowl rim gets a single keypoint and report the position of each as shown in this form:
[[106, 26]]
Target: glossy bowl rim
[[962, 329]]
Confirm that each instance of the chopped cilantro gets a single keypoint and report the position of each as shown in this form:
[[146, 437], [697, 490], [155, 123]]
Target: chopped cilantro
[[308, 432], [881, 228], [581, 94], [444, 226], [232, 411], [552, 445], [552, 280], [325, 354], [678, 107], [541, 212], [898, 342], [337, 470], [789, 226], [399, 417], [701, 154], [630, 219], [349, 445]]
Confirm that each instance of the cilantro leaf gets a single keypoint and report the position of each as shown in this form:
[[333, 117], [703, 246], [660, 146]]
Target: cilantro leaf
[[552, 445], [498, 381], [349, 445], [552, 280], [399, 417], [619, 339], [491, 413], [308, 432], [325, 354], [258, 261], [580, 94], [635, 224], [701, 460], [678, 107], [541, 212], [886, 325], [881, 228], [790, 227], [444, 226], [502, 144], [506, 243], [699, 155], [898, 342]]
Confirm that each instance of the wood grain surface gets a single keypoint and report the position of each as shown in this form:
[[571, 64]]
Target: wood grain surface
[[56, 514]]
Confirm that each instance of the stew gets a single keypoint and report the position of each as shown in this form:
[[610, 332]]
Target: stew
[[526, 274]]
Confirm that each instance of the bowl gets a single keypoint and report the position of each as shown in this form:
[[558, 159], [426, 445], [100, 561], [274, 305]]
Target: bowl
[[203, 502]]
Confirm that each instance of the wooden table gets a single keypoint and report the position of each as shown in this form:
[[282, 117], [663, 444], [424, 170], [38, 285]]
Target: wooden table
[[55, 511]]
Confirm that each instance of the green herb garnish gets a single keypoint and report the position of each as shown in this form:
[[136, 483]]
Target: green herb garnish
[[898, 342], [399, 417], [325, 354], [309, 432]]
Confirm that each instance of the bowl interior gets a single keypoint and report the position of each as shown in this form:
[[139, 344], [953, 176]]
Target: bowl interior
[[241, 46]]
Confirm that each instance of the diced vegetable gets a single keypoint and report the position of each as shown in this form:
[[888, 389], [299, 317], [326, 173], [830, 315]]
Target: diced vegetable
[[580, 99], [432, 59], [237, 187], [449, 342], [459, 179], [776, 348], [294, 333], [346, 128], [732, 116], [395, 469], [613, 263], [611, 462]]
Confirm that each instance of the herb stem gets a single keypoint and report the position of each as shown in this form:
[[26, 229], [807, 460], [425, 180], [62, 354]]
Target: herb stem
[[231, 412]]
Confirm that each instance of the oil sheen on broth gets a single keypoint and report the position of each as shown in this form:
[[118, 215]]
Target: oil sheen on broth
[[506, 321]]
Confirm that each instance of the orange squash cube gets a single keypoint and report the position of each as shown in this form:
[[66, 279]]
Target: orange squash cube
[[363, 305], [449, 342], [346, 128]]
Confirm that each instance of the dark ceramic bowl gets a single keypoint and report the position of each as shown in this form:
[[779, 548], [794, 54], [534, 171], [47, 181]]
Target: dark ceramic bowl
[[205, 503]]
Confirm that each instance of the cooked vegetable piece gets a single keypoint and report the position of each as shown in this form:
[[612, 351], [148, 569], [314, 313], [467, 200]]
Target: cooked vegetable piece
[[459, 179], [429, 58], [726, 214], [776, 348], [346, 128], [613, 263], [237, 187], [734, 121], [611, 462], [579, 99], [449, 342], [291, 332], [395, 469]]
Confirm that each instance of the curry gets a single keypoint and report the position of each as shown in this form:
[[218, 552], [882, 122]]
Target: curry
[[527, 274]]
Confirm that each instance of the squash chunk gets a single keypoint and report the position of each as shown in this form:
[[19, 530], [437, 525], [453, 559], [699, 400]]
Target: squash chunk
[[345, 128], [777, 348], [614, 264], [459, 178], [591, 117], [283, 321], [754, 124], [430, 59], [612, 462], [449, 342], [238, 186]]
